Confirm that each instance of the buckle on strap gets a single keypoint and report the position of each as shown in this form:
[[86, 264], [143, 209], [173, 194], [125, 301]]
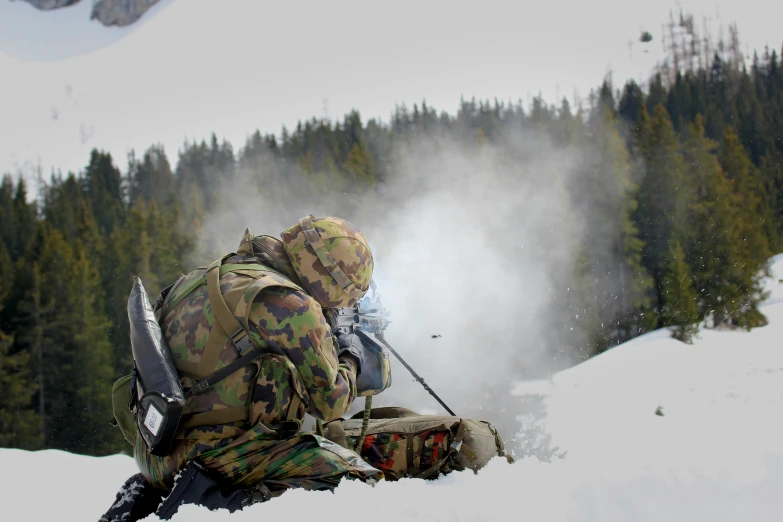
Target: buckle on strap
[[241, 341], [286, 429], [199, 388]]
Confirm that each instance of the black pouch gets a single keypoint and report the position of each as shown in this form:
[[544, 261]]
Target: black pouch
[[156, 393], [195, 485]]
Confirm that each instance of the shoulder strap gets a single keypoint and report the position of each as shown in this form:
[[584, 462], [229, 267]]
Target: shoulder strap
[[174, 298], [225, 318], [226, 326]]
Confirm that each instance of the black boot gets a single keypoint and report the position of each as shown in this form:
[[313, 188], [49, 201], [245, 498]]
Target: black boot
[[135, 500], [195, 485]]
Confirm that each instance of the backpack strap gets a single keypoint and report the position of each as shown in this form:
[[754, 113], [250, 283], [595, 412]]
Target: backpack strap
[[225, 318], [185, 285], [216, 417], [227, 326]]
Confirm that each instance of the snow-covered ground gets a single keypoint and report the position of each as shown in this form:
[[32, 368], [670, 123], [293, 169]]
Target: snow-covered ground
[[715, 453]]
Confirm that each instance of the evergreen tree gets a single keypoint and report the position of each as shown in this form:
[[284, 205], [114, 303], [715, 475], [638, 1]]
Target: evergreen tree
[[64, 328], [151, 179], [19, 425], [749, 190], [663, 196], [724, 274], [612, 243], [631, 102], [103, 189], [680, 300]]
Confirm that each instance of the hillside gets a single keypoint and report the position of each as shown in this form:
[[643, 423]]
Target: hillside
[[715, 454]]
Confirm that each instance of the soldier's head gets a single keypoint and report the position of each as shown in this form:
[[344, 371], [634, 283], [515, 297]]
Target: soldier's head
[[332, 259]]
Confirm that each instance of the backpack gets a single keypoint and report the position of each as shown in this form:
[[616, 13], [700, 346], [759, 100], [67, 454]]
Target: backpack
[[226, 334], [402, 443]]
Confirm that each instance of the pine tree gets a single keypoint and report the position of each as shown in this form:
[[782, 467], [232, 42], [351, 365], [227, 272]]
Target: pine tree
[[568, 129], [680, 300], [750, 191], [151, 179], [19, 425], [720, 257], [664, 195], [8, 229], [63, 328], [612, 245], [103, 189], [631, 102], [92, 371], [772, 175]]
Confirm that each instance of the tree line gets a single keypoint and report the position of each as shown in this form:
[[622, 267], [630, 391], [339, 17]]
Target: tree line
[[682, 180]]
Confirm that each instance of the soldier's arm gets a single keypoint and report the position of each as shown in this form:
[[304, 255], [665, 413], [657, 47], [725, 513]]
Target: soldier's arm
[[296, 323]]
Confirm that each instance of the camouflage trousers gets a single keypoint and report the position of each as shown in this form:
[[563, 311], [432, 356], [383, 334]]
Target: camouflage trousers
[[257, 456]]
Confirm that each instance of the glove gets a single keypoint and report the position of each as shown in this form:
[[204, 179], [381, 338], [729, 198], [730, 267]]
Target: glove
[[351, 344]]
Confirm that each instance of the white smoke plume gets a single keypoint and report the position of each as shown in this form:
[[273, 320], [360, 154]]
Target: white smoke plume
[[471, 245]]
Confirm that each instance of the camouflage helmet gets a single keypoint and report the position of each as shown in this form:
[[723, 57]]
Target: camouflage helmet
[[331, 258]]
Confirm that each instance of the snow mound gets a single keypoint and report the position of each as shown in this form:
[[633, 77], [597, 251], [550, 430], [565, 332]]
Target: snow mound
[[653, 430]]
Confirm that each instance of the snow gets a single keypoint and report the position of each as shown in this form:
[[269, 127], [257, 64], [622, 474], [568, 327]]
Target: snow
[[716, 453]]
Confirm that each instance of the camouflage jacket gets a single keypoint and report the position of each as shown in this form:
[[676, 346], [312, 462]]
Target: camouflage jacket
[[307, 379]]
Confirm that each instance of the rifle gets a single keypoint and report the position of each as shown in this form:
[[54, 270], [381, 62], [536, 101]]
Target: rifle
[[369, 316]]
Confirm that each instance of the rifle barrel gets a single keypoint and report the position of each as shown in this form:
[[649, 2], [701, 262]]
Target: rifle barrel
[[416, 376]]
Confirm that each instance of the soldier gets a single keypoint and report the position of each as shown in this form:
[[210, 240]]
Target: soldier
[[243, 432]]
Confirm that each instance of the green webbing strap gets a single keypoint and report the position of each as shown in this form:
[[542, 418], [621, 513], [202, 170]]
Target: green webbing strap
[[164, 305], [224, 372], [409, 453], [216, 417], [198, 281], [365, 423], [225, 325], [224, 317]]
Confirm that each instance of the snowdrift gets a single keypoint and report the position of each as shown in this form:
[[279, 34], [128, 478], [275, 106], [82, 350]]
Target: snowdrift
[[652, 430]]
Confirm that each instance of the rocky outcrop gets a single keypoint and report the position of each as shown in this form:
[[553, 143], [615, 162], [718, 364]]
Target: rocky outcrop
[[48, 5], [107, 12], [120, 12]]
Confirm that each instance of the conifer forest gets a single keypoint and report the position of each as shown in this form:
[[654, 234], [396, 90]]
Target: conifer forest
[[694, 158]]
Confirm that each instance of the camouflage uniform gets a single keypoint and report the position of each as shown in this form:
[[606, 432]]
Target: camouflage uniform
[[271, 395]]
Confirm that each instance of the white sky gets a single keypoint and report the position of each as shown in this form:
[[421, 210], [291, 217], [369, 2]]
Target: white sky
[[197, 66]]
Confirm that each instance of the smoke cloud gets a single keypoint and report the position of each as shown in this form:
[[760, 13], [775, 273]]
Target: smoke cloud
[[472, 244]]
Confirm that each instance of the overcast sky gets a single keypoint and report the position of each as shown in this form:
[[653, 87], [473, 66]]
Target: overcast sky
[[233, 66]]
